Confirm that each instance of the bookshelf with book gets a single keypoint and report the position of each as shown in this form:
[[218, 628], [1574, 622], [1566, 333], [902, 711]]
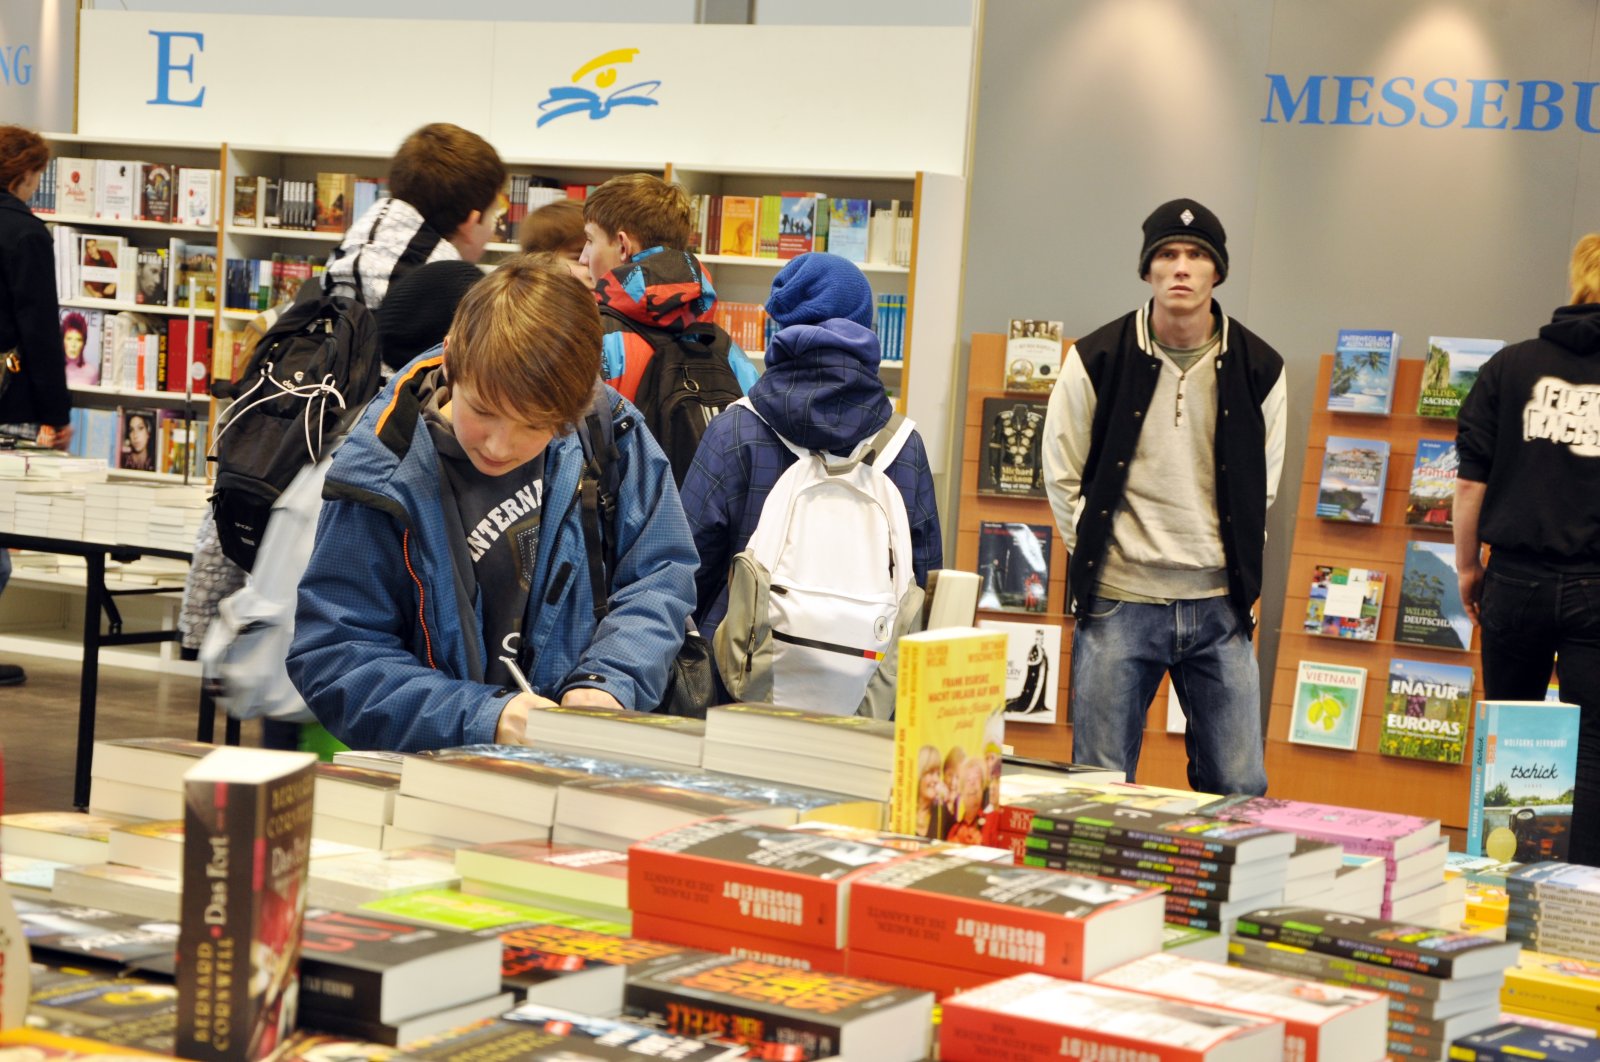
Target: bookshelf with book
[[1396, 781]]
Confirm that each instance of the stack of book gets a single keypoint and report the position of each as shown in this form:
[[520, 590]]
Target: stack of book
[[1440, 985], [54, 510], [1323, 1022], [592, 882], [1553, 988], [649, 737], [108, 1007], [1553, 908], [142, 777], [472, 795], [1313, 871], [944, 922], [353, 804], [1035, 1016], [59, 836], [841, 753], [1210, 871], [1512, 1041], [75, 935], [584, 1034], [344, 880], [175, 516], [1021, 795]]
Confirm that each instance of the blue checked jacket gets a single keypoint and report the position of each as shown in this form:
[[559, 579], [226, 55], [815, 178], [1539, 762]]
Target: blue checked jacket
[[821, 391], [388, 649]]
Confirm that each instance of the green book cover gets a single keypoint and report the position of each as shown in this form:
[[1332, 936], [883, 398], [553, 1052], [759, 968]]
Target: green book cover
[[452, 909], [1450, 370], [1327, 705], [1425, 711]]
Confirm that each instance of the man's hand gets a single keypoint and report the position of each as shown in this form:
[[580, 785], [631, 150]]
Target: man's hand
[[56, 438], [589, 697], [513, 726], [1470, 578]]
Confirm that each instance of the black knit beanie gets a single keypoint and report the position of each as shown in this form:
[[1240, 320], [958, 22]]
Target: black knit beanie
[[1187, 221], [418, 308]]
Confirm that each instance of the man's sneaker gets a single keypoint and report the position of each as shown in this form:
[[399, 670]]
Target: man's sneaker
[[12, 675]]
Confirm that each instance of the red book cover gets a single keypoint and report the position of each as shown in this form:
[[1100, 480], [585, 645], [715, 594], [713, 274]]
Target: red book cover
[[765, 880], [731, 941], [943, 981], [528, 951], [1002, 919], [180, 354]]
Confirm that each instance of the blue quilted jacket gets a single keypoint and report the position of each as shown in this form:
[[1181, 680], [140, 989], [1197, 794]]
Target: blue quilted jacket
[[388, 649]]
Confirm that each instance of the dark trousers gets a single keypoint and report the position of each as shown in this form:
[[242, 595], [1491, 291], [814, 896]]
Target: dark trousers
[[1534, 614]]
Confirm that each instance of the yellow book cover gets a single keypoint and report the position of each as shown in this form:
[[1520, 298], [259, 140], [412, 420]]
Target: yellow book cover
[[39, 1044], [948, 732], [1553, 984], [739, 225]]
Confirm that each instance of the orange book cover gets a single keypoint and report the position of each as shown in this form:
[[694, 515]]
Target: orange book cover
[[1002, 919], [739, 225], [731, 940], [773, 882]]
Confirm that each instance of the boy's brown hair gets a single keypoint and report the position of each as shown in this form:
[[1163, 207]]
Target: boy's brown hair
[[22, 151], [653, 212], [526, 338], [446, 172], [555, 227]]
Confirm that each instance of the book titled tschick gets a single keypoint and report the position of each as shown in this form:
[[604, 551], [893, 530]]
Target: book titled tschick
[[1195, 836], [1403, 945], [1003, 919]]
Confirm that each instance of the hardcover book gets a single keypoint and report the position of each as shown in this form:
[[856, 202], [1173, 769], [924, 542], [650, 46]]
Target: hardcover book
[[1014, 561], [1524, 768], [1345, 602], [1432, 497], [82, 333], [1359, 831], [949, 732], [74, 187], [1450, 371], [739, 217], [114, 191], [100, 266], [805, 1014], [1426, 710], [247, 829], [1033, 669], [1033, 355], [1327, 705], [1351, 488], [64, 836], [848, 223], [1034, 1016], [1402, 945], [1431, 612], [1362, 380], [1013, 453], [594, 876], [481, 778], [155, 192], [796, 225], [1002, 919]]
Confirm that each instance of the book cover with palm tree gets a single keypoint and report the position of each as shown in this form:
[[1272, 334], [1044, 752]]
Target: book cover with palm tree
[[1362, 380]]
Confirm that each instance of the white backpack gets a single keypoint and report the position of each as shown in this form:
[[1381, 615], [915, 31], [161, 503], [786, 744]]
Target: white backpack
[[824, 590]]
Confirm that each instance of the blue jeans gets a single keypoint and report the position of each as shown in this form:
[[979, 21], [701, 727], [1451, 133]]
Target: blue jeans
[[1530, 612], [1121, 649], [5, 568]]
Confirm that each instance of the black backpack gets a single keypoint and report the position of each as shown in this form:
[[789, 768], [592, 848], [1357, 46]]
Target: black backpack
[[686, 383], [313, 371]]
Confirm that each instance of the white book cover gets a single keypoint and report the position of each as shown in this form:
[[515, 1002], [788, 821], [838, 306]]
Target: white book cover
[[196, 196], [1033, 669], [115, 189], [74, 188], [100, 266]]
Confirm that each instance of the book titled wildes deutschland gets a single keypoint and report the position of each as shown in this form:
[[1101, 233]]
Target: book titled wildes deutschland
[[1431, 612], [1362, 380]]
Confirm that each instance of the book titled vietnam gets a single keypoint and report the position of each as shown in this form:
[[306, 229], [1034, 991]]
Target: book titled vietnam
[[1432, 498], [1524, 770], [1449, 372], [1362, 380], [1426, 710], [1033, 355], [1013, 447], [779, 1011], [1014, 561], [1431, 612], [1345, 602], [1327, 705], [1353, 471], [247, 830]]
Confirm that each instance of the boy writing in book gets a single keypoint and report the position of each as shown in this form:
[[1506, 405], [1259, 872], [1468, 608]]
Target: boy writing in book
[[637, 249], [450, 557], [1163, 446]]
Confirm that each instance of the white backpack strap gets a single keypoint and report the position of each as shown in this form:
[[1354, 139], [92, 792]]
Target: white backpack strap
[[879, 451], [744, 400]]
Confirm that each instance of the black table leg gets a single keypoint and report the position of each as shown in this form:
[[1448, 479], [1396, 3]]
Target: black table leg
[[89, 681]]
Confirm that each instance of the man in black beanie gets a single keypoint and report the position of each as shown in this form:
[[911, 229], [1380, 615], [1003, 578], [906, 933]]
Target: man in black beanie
[[1163, 447]]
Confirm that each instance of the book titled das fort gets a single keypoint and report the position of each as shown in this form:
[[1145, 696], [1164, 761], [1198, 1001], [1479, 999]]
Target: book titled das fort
[[247, 825]]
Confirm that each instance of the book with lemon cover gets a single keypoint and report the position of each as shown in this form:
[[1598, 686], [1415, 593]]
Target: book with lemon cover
[[948, 733], [1327, 705]]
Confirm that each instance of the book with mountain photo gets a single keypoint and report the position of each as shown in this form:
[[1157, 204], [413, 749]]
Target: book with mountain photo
[[1431, 499], [1353, 472], [1431, 611], [1362, 379], [1450, 371], [1426, 711]]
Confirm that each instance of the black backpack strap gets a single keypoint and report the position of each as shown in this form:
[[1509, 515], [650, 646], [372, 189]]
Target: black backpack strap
[[597, 495]]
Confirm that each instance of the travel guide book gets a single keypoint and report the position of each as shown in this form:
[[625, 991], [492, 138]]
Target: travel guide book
[[1362, 380], [1450, 371], [1524, 769], [1327, 705], [1345, 602], [1432, 497], [1353, 471], [1033, 355], [1014, 562], [1426, 711], [1013, 449], [1431, 612]]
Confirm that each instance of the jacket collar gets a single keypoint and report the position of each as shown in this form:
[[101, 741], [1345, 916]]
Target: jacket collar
[[1147, 340]]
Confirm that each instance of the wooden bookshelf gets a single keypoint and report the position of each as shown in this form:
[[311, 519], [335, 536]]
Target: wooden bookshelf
[[1363, 776], [1164, 760]]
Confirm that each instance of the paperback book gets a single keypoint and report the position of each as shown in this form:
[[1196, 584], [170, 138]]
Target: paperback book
[[1426, 711], [1033, 669], [609, 1038], [1362, 379], [1327, 705], [1033, 355], [1405, 946], [1431, 611], [1353, 471], [1345, 602], [1013, 455], [1450, 371], [1014, 561], [1357, 830], [1524, 770], [1432, 498]]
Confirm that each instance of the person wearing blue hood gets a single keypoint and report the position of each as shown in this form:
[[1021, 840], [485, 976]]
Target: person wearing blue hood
[[1528, 484], [822, 392]]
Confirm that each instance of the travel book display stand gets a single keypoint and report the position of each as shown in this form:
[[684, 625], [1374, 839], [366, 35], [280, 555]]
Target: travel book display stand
[[1364, 775]]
